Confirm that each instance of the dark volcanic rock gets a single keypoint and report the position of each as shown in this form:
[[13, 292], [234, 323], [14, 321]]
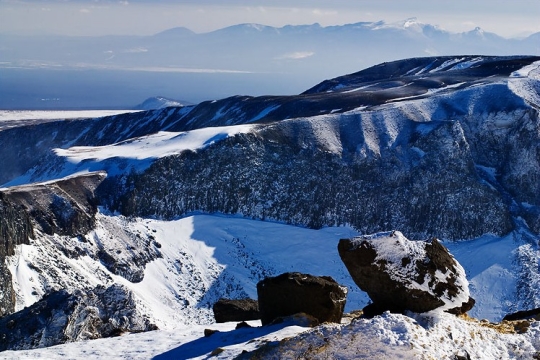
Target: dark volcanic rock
[[15, 229], [226, 310], [292, 293], [68, 207], [64, 207], [287, 173], [401, 275], [524, 315], [62, 317]]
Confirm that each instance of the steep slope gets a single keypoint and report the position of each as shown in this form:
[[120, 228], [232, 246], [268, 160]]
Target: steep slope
[[416, 146], [423, 145], [444, 147]]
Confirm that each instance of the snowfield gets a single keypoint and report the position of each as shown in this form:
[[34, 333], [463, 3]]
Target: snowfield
[[156, 145], [10, 115], [205, 257]]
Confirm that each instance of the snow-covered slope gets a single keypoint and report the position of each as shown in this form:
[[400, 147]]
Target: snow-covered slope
[[205, 257], [167, 202], [159, 102], [391, 336], [397, 119]]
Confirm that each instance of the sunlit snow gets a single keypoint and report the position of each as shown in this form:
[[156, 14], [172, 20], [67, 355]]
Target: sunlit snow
[[203, 253], [8, 115], [156, 145]]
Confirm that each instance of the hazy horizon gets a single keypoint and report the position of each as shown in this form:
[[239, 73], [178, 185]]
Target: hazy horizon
[[91, 70], [144, 17]]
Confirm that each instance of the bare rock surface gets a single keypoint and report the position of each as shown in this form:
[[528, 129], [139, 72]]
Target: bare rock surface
[[533, 314], [63, 317], [400, 275], [226, 310], [291, 293]]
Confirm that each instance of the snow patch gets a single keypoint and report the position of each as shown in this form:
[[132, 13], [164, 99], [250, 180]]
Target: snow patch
[[467, 64], [152, 146], [265, 112], [11, 115]]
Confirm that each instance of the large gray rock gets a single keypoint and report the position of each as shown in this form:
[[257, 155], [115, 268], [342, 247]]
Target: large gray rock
[[291, 293], [226, 310], [62, 317], [399, 274]]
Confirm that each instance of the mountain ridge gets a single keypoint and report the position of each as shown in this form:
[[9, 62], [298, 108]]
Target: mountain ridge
[[221, 63], [394, 115], [163, 201]]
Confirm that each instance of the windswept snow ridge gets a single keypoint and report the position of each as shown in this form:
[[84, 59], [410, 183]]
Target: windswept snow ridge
[[153, 146]]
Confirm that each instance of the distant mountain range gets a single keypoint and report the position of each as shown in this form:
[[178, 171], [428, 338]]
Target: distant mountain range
[[248, 59]]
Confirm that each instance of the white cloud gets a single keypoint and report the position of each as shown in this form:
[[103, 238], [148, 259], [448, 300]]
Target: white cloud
[[136, 50], [319, 12], [295, 55]]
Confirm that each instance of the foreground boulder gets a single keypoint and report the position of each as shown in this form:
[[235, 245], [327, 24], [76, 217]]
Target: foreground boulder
[[62, 317], [226, 310], [291, 293], [400, 275]]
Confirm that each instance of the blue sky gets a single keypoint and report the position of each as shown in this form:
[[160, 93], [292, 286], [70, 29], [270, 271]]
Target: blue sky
[[145, 17]]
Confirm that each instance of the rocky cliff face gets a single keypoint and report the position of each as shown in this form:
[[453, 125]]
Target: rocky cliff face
[[434, 146], [66, 317], [65, 207], [15, 229], [426, 185], [67, 210]]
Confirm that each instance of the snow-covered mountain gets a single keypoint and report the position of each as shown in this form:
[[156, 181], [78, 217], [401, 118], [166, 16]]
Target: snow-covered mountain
[[241, 59], [168, 203], [159, 102]]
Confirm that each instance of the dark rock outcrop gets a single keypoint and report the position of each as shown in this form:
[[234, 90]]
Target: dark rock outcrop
[[400, 275], [64, 207], [15, 229], [61, 317], [226, 310], [291, 293], [523, 315]]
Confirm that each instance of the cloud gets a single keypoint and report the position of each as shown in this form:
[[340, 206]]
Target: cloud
[[295, 55], [136, 50], [319, 12], [84, 11]]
